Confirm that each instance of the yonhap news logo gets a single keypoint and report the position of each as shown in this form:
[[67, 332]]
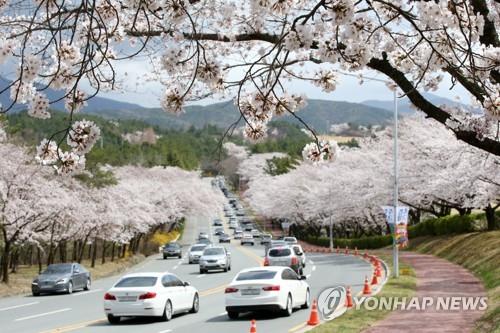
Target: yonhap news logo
[[331, 302]]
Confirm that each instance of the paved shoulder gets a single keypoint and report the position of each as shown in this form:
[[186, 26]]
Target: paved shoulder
[[435, 278]]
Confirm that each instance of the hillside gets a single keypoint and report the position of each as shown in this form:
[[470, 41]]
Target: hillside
[[319, 114], [405, 107]]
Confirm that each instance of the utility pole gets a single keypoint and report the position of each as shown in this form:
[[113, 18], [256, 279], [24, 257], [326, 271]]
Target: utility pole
[[395, 250]]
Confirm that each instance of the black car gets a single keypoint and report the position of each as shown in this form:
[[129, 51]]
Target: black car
[[219, 231], [224, 238], [172, 250], [217, 223], [61, 278]]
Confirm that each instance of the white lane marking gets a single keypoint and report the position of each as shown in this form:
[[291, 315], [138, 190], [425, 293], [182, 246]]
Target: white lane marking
[[165, 331], [308, 276], [42, 314], [222, 314], [87, 292], [201, 275], [175, 267], [311, 262], [18, 306], [314, 268]]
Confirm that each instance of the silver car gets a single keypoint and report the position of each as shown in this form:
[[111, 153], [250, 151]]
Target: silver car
[[215, 258], [247, 239], [195, 252], [299, 252], [284, 256], [290, 240]]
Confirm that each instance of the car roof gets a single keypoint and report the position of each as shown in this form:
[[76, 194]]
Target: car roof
[[140, 274], [264, 268]]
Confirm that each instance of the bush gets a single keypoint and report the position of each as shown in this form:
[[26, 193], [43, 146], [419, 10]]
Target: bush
[[447, 225], [373, 242], [453, 224]]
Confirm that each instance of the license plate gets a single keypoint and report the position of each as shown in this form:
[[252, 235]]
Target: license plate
[[127, 298], [250, 291]]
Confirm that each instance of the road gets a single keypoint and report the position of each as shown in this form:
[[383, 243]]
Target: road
[[82, 311]]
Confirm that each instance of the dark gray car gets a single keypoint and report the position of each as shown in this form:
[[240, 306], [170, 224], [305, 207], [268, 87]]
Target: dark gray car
[[61, 278]]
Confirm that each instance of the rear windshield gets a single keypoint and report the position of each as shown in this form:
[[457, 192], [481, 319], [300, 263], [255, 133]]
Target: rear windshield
[[256, 275], [289, 239], [198, 248], [137, 281], [279, 252], [213, 251]]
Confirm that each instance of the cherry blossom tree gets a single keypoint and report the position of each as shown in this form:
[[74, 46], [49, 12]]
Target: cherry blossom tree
[[435, 169], [248, 50]]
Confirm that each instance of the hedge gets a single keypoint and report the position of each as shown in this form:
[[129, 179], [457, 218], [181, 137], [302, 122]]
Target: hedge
[[452, 224], [373, 242]]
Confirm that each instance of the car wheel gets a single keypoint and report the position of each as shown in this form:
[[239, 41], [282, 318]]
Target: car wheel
[[180, 256], [87, 285], [70, 287], [229, 268], [232, 315], [196, 304], [113, 320], [190, 262], [36, 294], [165, 257], [308, 300], [289, 306], [167, 312], [202, 271], [301, 271]]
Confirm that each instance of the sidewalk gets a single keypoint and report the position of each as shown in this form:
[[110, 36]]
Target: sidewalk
[[435, 277]]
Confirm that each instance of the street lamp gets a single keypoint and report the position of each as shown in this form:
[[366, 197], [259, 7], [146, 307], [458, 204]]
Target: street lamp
[[395, 251]]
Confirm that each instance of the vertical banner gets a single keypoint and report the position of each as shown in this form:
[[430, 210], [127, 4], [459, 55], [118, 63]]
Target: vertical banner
[[400, 230]]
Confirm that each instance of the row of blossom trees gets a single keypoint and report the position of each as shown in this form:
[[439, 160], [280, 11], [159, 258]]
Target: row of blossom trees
[[41, 214], [435, 171]]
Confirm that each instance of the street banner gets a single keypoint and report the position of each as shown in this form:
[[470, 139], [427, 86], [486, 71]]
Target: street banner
[[400, 231]]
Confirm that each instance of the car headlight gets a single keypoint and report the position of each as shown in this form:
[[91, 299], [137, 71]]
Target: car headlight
[[65, 280], [35, 283]]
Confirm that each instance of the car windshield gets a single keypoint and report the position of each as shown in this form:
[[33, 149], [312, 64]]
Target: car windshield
[[256, 275], [58, 269], [279, 252], [213, 251], [198, 248], [172, 245], [136, 281]]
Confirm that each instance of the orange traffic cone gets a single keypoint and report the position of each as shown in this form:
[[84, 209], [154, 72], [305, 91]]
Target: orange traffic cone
[[356, 251], [338, 249], [378, 271], [348, 298], [253, 326], [314, 317], [366, 288], [374, 279], [346, 249]]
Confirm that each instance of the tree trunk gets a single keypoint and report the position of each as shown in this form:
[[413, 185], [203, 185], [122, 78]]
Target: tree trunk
[[39, 259], [5, 262], [94, 252], [74, 255], [14, 261], [62, 251], [103, 259], [113, 252], [490, 217]]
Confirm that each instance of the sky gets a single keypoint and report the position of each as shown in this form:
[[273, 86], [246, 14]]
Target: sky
[[147, 94]]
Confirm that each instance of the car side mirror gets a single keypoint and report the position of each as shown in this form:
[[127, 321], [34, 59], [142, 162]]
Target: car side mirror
[[76, 271], [300, 253], [303, 277], [186, 284], [228, 254]]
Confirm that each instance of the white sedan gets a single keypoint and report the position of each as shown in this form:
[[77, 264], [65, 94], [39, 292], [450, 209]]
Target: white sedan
[[150, 294], [267, 288]]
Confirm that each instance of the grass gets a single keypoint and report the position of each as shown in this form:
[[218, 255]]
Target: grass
[[20, 282], [358, 320], [480, 254]]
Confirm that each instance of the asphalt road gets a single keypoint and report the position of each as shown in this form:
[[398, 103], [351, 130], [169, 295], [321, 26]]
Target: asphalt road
[[83, 311]]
